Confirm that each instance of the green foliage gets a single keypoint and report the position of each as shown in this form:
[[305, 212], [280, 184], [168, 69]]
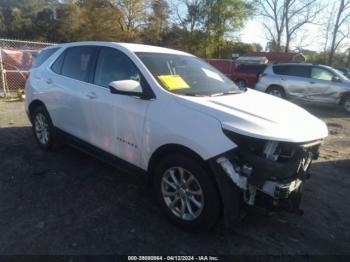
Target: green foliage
[[204, 29]]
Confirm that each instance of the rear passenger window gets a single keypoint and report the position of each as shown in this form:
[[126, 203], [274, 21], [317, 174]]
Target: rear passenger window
[[43, 56], [77, 62], [280, 70], [113, 65], [299, 71]]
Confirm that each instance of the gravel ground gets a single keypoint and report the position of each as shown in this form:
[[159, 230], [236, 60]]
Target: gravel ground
[[67, 202]]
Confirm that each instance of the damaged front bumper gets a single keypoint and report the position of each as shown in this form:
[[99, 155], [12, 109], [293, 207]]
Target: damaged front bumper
[[273, 182]]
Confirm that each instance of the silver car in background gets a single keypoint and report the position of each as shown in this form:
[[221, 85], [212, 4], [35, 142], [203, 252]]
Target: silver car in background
[[307, 82]]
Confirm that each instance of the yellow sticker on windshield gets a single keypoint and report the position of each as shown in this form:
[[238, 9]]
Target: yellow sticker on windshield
[[173, 82]]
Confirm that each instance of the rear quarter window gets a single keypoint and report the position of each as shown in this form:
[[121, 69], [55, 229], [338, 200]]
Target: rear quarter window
[[253, 69], [43, 56]]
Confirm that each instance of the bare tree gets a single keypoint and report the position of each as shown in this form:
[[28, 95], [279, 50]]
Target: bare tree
[[340, 28], [297, 14], [273, 13]]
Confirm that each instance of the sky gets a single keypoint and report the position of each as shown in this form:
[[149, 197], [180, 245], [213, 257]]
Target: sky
[[254, 32]]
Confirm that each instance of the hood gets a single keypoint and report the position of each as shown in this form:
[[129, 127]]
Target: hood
[[260, 115]]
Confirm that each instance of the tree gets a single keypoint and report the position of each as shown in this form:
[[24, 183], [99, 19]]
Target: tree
[[102, 25], [340, 28], [133, 16], [189, 16], [297, 14], [221, 17], [19, 17], [273, 14], [157, 22], [286, 18]]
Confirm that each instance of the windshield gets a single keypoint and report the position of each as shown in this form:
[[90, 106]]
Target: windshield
[[187, 75]]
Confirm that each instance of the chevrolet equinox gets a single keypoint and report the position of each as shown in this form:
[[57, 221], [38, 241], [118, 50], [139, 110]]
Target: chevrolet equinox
[[208, 147]]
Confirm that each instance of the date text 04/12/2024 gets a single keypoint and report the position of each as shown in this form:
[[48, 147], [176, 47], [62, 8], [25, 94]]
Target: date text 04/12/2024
[[173, 258]]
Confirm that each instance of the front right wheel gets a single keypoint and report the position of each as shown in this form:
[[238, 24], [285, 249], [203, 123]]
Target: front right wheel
[[186, 192]]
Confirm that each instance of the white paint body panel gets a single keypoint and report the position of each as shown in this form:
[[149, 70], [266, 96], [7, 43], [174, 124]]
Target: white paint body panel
[[262, 116], [133, 129]]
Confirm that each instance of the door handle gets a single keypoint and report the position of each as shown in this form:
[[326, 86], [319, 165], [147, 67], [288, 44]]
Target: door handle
[[91, 95], [49, 81], [312, 82]]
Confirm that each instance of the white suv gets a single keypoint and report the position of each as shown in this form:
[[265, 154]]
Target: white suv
[[207, 145]]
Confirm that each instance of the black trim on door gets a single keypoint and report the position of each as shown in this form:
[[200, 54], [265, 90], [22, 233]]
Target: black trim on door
[[98, 153]]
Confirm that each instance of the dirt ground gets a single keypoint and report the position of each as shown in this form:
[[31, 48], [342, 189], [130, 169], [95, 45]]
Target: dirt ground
[[67, 202]]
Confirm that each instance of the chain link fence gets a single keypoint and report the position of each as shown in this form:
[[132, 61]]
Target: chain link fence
[[16, 59]]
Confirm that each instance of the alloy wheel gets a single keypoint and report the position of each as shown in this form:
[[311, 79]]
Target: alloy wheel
[[41, 128], [182, 193]]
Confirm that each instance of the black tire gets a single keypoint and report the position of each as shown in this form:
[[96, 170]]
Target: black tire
[[346, 103], [241, 83], [40, 114], [276, 91], [211, 209]]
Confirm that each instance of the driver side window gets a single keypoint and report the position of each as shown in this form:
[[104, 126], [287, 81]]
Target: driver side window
[[113, 65], [321, 74]]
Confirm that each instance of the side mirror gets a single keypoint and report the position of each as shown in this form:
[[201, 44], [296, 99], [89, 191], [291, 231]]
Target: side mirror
[[336, 79], [126, 87]]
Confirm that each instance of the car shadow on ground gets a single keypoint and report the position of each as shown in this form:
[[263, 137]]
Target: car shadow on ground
[[66, 202]]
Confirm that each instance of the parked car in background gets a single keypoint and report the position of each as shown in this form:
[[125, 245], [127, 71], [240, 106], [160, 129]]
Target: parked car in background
[[344, 70], [246, 75], [225, 66], [308, 82], [209, 147]]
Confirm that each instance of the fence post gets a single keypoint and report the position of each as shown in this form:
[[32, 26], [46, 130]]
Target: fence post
[[2, 73]]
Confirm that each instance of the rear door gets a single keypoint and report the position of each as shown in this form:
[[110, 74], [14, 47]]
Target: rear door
[[69, 82], [295, 79], [323, 88]]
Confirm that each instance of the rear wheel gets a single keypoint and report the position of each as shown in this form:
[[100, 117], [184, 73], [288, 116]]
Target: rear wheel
[[346, 103], [186, 192], [42, 128], [276, 91]]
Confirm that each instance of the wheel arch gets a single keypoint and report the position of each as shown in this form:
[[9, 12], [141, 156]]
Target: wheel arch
[[34, 104], [170, 149], [343, 97]]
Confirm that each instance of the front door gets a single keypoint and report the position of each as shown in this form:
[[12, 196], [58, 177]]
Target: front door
[[117, 120], [323, 88]]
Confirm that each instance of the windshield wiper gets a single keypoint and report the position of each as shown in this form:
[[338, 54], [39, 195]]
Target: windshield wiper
[[193, 94], [225, 93]]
